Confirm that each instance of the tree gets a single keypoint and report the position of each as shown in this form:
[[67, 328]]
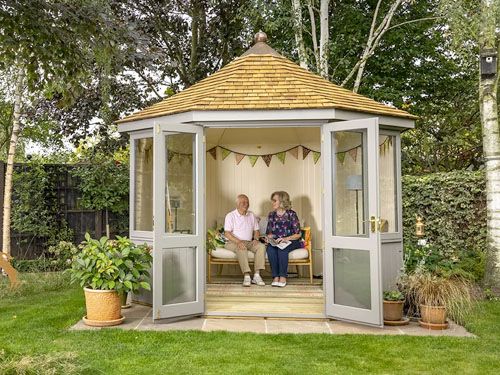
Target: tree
[[478, 24], [47, 48]]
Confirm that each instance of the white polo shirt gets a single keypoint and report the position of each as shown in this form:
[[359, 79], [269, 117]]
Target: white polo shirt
[[241, 226]]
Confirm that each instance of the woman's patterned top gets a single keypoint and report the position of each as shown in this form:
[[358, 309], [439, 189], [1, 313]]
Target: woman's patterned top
[[283, 226]]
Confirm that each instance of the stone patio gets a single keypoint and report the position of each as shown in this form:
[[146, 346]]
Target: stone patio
[[139, 317]]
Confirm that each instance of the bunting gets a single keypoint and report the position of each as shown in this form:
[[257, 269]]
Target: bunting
[[238, 157], [316, 156], [341, 157], [225, 153], [213, 152], [305, 152], [281, 156], [295, 152], [253, 159], [354, 154], [267, 159]]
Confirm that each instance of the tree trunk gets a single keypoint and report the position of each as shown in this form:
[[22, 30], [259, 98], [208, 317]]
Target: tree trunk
[[373, 40], [16, 128], [310, 8], [299, 39], [324, 38], [488, 89]]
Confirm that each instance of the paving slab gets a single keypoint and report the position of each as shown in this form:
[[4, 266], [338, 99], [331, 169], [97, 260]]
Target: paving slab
[[235, 325], [296, 326], [139, 317]]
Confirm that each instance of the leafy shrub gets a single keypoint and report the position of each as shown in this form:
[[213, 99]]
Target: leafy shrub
[[107, 264], [453, 206], [393, 295]]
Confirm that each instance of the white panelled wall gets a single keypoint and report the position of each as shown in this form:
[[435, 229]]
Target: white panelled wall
[[301, 178]]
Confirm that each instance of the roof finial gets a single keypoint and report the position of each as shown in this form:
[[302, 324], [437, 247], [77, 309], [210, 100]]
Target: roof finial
[[260, 37]]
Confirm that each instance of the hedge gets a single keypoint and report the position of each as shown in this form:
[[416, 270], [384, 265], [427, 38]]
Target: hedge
[[453, 207]]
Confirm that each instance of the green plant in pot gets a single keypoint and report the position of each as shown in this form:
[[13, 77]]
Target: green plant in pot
[[393, 305], [438, 296], [106, 269]]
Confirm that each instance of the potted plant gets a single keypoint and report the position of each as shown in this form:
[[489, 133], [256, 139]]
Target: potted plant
[[393, 305], [107, 269], [438, 296]]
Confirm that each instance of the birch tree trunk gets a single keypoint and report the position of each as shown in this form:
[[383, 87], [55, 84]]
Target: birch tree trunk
[[373, 40], [488, 89], [16, 127], [312, 18], [299, 39], [324, 38]]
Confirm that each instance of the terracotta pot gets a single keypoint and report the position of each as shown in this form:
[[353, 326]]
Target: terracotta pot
[[393, 310], [433, 314], [103, 307]]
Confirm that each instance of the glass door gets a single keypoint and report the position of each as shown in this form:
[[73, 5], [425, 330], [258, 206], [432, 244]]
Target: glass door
[[178, 224], [351, 221]]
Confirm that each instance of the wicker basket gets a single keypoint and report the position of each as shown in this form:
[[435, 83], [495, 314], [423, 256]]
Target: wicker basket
[[103, 305]]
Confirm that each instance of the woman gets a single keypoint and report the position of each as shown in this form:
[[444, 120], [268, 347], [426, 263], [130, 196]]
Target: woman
[[282, 225]]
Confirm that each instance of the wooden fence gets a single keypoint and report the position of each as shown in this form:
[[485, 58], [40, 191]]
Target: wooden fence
[[80, 220]]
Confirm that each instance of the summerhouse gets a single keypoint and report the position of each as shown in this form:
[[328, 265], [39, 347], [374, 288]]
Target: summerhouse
[[262, 124]]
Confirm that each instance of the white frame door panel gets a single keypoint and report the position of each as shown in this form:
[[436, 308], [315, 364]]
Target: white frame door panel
[[367, 240], [186, 250]]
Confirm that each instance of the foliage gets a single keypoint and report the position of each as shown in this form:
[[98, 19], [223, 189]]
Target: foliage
[[112, 265], [468, 264], [103, 182], [36, 210], [393, 295], [215, 238], [57, 258], [426, 288], [453, 208]]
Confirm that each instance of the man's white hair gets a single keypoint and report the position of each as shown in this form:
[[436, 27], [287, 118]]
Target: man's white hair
[[241, 196]]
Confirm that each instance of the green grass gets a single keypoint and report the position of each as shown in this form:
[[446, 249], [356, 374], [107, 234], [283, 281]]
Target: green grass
[[34, 338]]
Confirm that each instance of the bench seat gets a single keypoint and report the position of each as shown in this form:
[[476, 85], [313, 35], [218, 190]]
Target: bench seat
[[297, 257]]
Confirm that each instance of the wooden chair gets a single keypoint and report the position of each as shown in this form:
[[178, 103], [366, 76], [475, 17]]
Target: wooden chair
[[221, 256]]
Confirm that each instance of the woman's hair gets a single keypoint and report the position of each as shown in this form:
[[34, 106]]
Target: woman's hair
[[284, 198]]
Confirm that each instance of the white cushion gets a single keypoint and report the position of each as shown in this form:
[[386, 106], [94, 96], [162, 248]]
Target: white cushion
[[298, 254], [222, 253]]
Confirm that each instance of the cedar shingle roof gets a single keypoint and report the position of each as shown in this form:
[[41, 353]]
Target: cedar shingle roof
[[263, 79]]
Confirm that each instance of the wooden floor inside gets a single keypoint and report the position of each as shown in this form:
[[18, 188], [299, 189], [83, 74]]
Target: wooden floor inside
[[225, 296]]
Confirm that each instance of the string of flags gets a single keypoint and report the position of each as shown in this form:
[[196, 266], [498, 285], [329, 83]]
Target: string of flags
[[281, 155], [294, 151]]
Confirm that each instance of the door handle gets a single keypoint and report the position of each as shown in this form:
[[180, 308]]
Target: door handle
[[373, 224]]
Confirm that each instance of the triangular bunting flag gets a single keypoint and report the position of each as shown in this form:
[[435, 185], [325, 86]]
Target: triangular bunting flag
[[213, 152], [267, 159], [225, 153], [316, 156], [253, 159], [295, 152], [281, 156], [238, 157], [341, 157], [390, 141], [354, 153], [305, 152], [170, 156]]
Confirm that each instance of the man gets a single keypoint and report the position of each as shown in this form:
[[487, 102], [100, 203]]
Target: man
[[241, 228]]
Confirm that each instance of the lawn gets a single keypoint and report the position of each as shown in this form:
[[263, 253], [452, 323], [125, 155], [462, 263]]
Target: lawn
[[34, 337]]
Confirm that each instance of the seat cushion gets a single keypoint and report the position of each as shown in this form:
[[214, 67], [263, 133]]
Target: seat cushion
[[222, 253]]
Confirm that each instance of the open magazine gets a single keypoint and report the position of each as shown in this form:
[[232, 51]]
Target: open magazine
[[281, 245]]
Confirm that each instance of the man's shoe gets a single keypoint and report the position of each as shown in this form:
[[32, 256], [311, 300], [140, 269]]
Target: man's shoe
[[246, 280], [258, 280]]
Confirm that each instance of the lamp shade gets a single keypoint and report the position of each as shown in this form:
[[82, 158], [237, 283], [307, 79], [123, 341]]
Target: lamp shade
[[354, 182]]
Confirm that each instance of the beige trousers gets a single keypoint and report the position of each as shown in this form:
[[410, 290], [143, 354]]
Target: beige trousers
[[259, 250]]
